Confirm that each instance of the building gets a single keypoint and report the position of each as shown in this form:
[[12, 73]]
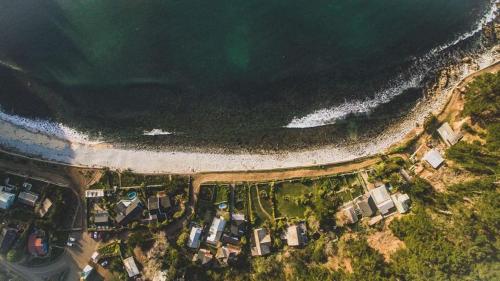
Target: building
[[131, 267], [215, 231], [128, 210], [37, 246], [227, 254], [448, 135], [382, 199], [238, 224], [296, 235], [101, 218], [165, 204], [366, 206], [434, 158], [95, 257], [27, 198], [203, 256], [7, 238], [402, 202], [194, 238], [227, 239], [94, 193], [45, 207], [154, 205], [350, 214], [261, 242], [408, 178], [6, 200]]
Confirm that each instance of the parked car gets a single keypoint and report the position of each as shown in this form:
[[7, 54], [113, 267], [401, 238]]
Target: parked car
[[69, 244], [72, 239], [104, 263]]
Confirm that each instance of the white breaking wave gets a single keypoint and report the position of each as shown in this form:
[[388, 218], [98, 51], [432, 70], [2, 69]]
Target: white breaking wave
[[328, 116], [57, 130], [156, 132]]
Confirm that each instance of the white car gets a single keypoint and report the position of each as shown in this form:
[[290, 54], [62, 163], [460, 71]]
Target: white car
[[104, 263], [72, 239], [69, 244]]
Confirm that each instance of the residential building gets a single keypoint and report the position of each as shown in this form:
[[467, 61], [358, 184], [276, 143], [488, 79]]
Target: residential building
[[238, 224], [153, 205], [226, 239], [37, 246], [448, 135], [165, 204], [131, 267], [27, 198], [382, 199], [227, 254], [408, 178], [101, 218], [434, 158], [6, 200], [366, 205], [261, 242], [350, 214], [194, 238], [45, 207], [127, 211], [215, 231], [402, 202], [203, 256], [7, 238], [296, 235]]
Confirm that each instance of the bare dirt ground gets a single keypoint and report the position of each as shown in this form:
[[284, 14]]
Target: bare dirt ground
[[384, 241]]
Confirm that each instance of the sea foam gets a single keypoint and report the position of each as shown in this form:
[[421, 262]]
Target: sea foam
[[328, 116]]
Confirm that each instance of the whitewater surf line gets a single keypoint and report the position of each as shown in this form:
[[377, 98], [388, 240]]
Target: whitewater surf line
[[328, 116]]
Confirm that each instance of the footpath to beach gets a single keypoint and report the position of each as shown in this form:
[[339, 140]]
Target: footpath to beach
[[42, 146]]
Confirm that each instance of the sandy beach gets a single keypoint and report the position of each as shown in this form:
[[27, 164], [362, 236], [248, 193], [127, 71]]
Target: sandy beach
[[26, 141]]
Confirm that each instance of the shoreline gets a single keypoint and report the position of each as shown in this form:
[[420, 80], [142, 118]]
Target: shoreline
[[97, 155]]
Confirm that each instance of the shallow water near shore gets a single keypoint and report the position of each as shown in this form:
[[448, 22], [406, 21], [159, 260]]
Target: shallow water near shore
[[242, 74]]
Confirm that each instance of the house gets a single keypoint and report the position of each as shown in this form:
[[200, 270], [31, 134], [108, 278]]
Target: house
[[194, 238], [238, 224], [95, 257], [127, 211], [94, 193], [296, 235], [37, 246], [6, 200], [45, 207], [448, 135], [366, 205], [226, 239], [227, 254], [203, 256], [27, 198], [261, 242], [382, 199], [131, 267], [215, 231], [408, 178], [154, 205], [101, 218], [165, 204], [434, 158], [86, 272], [350, 214], [402, 202], [7, 238]]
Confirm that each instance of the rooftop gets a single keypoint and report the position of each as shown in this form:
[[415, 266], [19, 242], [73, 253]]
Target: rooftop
[[434, 158], [131, 267]]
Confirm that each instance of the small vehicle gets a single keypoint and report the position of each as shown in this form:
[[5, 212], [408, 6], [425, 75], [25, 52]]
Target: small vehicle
[[104, 263], [69, 244], [72, 239], [95, 235]]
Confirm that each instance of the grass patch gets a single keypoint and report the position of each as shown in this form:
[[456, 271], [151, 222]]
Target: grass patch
[[286, 199]]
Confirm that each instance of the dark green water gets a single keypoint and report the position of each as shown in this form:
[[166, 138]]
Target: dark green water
[[210, 70]]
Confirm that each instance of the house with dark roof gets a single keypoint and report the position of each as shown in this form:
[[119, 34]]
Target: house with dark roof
[[238, 225], [128, 211], [227, 254], [366, 205], [101, 218], [165, 204], [7, 238], [27, 198], [203, 256]]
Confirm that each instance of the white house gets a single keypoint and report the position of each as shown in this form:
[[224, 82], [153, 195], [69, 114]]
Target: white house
[[382, 199], [131, 267], [434, 158], [6, 200], [448, 135], [216, 230], [194, 238]]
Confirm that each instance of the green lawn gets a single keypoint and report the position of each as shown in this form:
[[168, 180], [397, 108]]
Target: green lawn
[[285, 199], [240, 199], [222, 194], [261, 216]]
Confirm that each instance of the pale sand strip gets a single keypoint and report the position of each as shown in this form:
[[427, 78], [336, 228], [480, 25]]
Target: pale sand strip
[[105, 155]]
